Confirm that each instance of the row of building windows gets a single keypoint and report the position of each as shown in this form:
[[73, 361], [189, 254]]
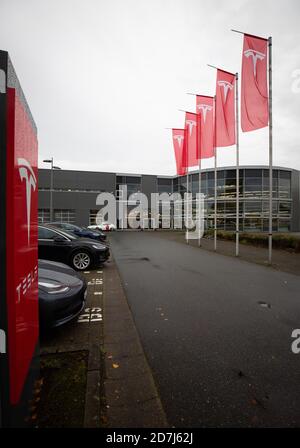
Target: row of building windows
[[253, 215], [252, 183], [59, 215]]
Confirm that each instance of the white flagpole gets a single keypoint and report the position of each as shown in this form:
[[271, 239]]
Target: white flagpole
[[237, 238], [215, 217], [187, 207], [199, 199], [270, 153]]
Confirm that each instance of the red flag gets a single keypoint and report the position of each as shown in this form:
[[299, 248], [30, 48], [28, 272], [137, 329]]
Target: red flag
[[225, 109], [180, 150], [254, 95], [191, 126], [205, 109]]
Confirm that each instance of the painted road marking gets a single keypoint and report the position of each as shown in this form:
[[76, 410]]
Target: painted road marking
[[98, 293], [91, 315], [97, 281]]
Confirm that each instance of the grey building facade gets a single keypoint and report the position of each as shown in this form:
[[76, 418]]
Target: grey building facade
[[75, 193]]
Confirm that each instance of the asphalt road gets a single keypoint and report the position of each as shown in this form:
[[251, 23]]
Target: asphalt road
[[216, 331]]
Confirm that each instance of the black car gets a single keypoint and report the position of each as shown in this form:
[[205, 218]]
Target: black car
[[82, 232], [62, 294], [80, 253]]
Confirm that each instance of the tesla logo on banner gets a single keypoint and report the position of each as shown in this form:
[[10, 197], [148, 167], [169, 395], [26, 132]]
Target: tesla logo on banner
[[27, 174], [179, 139], [226, 86], [256, 56], [191, 124], [204, 108]]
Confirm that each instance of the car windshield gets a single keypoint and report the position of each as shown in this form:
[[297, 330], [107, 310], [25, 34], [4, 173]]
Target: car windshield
[[69, 235], [72, 227]]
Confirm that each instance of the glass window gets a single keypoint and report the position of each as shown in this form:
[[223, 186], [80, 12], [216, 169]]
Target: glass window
[[230, 207], [253, 207], [220, 187], [253, 186], [133, 180], [266, 207], [285, 184], [284, 225], [63, 215], [253, 173], [266, 225], [210, 207], [43, 215], [220, 208], [285, 208], [230, 174], [46, 234], [210, 188], [253, 225], [230, 224], [220, 224]]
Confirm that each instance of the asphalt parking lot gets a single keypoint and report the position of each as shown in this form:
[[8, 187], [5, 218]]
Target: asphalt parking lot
[[216, 332]]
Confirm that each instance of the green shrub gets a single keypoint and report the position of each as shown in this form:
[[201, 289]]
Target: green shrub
[[280, 241]]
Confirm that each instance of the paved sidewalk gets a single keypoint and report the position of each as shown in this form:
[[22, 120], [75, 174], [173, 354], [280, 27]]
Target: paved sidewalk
[[131, 395]]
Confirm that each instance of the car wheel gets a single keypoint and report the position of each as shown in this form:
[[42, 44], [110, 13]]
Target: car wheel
[[81, 260]]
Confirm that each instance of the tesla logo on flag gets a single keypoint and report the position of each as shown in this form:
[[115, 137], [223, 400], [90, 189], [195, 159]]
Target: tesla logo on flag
[[27, 174], [226, 87], [256, 56], [204, 108], [191, 124], [179, 139]]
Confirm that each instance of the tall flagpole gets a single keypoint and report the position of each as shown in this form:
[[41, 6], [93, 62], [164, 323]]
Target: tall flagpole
[[270, 153], [187, 207], [215, 147], [237, 238], [199, 153], [187, 196]]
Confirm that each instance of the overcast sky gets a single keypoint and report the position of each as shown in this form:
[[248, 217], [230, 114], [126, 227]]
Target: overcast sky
[[105, 78]]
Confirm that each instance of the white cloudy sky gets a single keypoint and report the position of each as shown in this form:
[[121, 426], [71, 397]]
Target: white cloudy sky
[[105, 78]]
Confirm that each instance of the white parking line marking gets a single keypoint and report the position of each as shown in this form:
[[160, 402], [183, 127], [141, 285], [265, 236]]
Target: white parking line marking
[[91, 315]]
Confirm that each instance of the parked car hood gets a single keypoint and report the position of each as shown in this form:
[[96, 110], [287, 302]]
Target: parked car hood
[[46, 275], [89, 242]]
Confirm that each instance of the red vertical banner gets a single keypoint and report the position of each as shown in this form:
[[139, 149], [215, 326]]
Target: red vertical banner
[[191, 127], [179, 144], [21, 239], [205, 111], [254, 95], [225, 109]]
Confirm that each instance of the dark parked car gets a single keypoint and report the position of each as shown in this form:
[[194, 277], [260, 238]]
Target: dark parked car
[[62, 294], [82, 232], [80, 253]]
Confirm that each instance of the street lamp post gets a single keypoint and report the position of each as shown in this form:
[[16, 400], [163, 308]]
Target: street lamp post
[[51, 184]]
